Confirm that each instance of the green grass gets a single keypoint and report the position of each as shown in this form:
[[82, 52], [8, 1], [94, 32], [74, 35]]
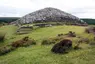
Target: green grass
[[9, 30], [38, 54]]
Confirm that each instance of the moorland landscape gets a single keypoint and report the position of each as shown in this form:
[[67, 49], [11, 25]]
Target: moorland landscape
[[47, 36]]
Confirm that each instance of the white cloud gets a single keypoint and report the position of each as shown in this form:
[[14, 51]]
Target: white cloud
[[80, 8]]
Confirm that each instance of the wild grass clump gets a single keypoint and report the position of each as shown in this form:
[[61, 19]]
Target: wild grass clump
[[58, 38], [90, 30], [2, 36], [60, 34], [71, 34], [28, 43], [23, 42], [77, 46], [92, 43], [87, 30], [54, 40], [85, 40], [6, 49], [48, 41]]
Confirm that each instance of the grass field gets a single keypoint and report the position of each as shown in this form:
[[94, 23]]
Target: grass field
[[41, 54]]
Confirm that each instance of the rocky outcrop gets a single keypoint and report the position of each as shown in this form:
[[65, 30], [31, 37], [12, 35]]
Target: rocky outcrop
[[46, 15]]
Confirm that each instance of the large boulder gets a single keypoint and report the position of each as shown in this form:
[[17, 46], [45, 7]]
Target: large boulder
[[62, 46]]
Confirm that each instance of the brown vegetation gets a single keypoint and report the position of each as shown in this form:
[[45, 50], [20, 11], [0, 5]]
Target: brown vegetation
[[81, 40], [23, 42], [60, 34], [71, 34], [90, 30], [6, 49]]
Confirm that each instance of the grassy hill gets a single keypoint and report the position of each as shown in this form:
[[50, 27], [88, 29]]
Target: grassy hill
[[41, 54]]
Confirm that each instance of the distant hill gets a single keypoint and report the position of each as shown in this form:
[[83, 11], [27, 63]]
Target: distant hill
[[8, 19], [89, 21], [48, 15]]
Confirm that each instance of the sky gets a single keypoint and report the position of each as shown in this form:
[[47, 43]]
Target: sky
[[19, 8]]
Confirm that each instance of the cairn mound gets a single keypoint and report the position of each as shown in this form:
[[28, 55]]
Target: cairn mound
[[47, 15]]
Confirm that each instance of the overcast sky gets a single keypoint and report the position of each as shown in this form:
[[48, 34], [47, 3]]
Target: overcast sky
[[19, 8]]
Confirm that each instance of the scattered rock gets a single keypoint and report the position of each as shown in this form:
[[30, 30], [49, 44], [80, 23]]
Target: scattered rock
[[43, 25], [24, 30]]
